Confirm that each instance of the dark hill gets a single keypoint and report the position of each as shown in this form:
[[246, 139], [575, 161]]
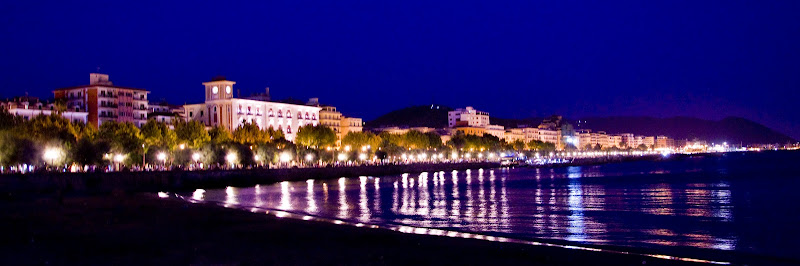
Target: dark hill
[[416, 116], [731, 129]]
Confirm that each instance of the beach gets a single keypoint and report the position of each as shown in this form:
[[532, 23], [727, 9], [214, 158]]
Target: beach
[[142, 229]]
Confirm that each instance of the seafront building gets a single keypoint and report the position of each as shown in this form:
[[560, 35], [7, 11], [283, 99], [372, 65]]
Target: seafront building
[[29, 107], [472, 117], [330, 117], [165, 113], [222, 109], [104, 101]]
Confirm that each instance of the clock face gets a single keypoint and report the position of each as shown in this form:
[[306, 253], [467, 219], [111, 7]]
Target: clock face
[[215, 90], [228, 89]]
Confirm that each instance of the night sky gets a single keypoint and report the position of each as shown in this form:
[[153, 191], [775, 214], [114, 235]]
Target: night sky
[[704, 59]]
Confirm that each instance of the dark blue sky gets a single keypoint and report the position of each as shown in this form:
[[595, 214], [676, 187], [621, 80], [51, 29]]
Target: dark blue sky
[[703, 59]]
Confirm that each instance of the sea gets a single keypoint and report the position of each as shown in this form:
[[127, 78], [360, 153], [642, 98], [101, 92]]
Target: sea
[[712, 206]]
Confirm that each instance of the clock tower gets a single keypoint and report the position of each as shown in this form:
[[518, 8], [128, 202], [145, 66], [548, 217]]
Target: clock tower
[[219, 88]]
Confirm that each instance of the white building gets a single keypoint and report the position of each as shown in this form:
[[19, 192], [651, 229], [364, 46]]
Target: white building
[[472, 117], [222, 109], [497, 131], [30, 107]]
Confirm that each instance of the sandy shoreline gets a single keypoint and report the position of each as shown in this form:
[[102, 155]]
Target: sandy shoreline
[[143, 229]]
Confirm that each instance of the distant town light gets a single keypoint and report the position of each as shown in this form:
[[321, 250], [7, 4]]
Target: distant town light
[[119, 158], [362, 156], [309, 157], [342, 157], [196, 157]]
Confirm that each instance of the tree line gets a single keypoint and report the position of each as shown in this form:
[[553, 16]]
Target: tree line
[[24, 142]]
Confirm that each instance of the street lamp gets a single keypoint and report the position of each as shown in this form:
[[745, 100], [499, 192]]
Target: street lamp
[[231, 158], [162, 157], [51, 154], [362, 156], [309, 157], [342, 157], [286, 157]]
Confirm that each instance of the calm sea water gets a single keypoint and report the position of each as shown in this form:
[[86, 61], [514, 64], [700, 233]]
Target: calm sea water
[[737, 202]]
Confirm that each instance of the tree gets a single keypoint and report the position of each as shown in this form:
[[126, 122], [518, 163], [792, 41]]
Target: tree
[[249, 133], [193, 133], [538, 145], [315, 136], [16, 150], [434, 140], [519, 145], [219, 135], [122, 137], [361, 139], [415, 139], [50, 127], [8, 120], [158, 134]]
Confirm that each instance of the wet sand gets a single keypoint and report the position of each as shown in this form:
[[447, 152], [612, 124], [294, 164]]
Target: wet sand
[[142, 229]]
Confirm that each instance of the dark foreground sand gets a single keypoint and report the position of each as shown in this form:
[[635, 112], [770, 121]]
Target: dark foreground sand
[[144, 230]]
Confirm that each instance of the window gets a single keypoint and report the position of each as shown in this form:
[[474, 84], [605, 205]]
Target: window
[[248, 110], [288, 114], [190, 114], [240, 108], [299, 115], [306, 115], [313, 116], [280, 114], [201, 113], [270, 113], [288, 129], [215, 109]]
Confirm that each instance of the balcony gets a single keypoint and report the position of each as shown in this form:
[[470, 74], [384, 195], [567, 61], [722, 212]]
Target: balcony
[[107, 95], [109, 105], [107, 116]]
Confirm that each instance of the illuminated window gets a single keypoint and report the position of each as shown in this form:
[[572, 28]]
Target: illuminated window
[[288, 114], [313, 116], [299, 115], [280, 113], [306, 115], [270, 113], [288, 129]]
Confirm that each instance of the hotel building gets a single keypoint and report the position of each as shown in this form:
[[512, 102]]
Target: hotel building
[[330, 117], [472, 117], [105, 102], [222, 109]]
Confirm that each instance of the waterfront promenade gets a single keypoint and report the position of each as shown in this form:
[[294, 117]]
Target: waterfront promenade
[[178, 180]]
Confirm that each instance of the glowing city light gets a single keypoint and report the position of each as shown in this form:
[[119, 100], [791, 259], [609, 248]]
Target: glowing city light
[[362, 156], [196, 157], [161, 156], [309, 157], [286, 157], [231, 157], [342, 157], [119, 158], [51, 154]]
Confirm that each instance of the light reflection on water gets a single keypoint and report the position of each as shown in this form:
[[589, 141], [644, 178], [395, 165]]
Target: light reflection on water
[[523, 203]]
